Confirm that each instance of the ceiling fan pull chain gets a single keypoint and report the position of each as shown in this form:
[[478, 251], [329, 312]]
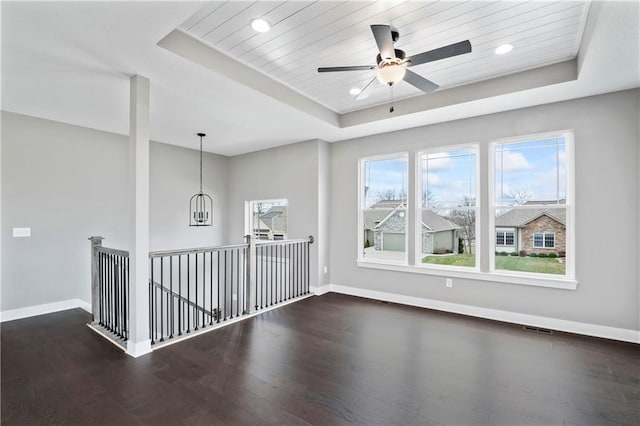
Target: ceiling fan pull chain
[[391, 109]]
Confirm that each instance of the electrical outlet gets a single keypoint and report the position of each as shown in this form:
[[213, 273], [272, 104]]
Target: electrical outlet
[[449, 282], [234, 297], [326, 269]]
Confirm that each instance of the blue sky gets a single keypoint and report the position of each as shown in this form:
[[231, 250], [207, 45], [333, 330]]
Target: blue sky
[[536, 168]]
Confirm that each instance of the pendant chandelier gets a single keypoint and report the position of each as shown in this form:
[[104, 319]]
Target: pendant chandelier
[[201, 205]]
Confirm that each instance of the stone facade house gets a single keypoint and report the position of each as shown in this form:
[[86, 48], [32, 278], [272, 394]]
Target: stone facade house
[[384, 224], [538, 230]]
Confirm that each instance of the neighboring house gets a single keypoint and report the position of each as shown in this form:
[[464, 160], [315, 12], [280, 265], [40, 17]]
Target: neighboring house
[[272, 224], [540, 230], [384, 225]]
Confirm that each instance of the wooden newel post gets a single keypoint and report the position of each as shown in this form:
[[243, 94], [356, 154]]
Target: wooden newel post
[[250, 273], [95, 277]]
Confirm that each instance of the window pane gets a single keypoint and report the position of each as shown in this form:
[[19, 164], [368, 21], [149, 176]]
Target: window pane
[[385, 233], [549, 241], [385, 182], [448, 237], [529, 173], [269, 219], [449, 178], [509, 238], [384, 214], [500, 238], [537, 236]]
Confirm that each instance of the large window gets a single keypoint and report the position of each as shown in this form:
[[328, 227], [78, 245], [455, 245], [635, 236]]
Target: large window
[[530, 200], [525, 216], [383, 209], [446, 224]]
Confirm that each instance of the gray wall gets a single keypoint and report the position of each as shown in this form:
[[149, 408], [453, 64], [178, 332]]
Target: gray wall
[[67, 183], [606, 147], [290, 172]]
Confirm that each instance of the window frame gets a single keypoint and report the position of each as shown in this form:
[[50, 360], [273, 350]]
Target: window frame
[[361, 200], [248, 217], [418, 208], [485, 222], [504, 238], [568, 136], [544, 240]]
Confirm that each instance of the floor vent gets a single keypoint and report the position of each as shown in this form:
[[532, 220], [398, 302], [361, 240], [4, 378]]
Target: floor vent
[[537, 329]]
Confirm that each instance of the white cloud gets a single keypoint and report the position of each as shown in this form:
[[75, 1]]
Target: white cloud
[[438, 161], [512, 161], [434, 179]]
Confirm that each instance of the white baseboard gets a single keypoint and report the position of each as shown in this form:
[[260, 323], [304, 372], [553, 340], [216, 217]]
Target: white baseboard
[[47, 308], [622, 334], [138, 349], [319, 291]]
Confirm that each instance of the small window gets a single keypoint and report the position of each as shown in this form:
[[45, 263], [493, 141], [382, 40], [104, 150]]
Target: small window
[[267, 219], [541, 240], [505, 238]]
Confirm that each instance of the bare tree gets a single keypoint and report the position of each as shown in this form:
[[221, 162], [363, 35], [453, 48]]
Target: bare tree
[[428, 198], [520, 197], [390, 194], [466, 219]]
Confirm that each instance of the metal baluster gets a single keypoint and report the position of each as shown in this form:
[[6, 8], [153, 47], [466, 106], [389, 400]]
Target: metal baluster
[[151, 306], [257, 277], [307, 245], [231, 286], [100, 287], [224, 302], [172, 319], [238, 284], [188, 303], [126, 301], [118, 304], [204, 288], [281, 270], [271, 283], [180, 295], [162, 299], [211, 289], [218, 311], [195, 311]]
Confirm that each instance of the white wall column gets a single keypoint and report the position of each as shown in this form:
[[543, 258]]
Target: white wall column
[[139, 343]]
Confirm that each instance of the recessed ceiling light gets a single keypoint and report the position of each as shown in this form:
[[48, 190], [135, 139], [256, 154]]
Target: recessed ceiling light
[[505, 48], [260, 25], [355, 91]]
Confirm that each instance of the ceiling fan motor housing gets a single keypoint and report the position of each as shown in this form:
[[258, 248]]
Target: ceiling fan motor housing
[[400, 55]]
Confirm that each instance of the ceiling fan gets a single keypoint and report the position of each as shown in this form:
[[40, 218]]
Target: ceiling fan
[[392, 63]]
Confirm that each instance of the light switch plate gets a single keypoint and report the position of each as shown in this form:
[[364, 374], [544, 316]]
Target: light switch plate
[[21, 232]]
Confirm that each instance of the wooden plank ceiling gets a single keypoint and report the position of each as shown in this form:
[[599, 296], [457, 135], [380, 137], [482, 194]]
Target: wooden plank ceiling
[[308, 35]]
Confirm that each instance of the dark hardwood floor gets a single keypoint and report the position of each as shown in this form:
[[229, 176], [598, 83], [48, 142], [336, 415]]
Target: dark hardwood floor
[[327, 360]]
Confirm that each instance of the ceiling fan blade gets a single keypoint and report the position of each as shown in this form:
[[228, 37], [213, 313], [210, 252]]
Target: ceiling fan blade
[[353, 68], [420, 82], [440, 53], [384, 40], [362, 95]]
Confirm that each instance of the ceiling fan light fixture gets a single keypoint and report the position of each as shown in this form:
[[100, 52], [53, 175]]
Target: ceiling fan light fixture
[[260, 25], [391, 73], [505, 48]]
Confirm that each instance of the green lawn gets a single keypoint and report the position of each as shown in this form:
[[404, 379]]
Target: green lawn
[[508, 263]]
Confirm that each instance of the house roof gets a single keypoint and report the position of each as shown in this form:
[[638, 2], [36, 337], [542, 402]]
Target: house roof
[[381, 210], [436, 223], [275, 218], [518, 218]]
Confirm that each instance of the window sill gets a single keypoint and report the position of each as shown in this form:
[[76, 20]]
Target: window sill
[[499, 277]]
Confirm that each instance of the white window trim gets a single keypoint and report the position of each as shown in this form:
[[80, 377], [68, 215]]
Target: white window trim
[[418, 210], [361, 209], [505, 238], [248, 216], [566, 282], [569, 201]]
